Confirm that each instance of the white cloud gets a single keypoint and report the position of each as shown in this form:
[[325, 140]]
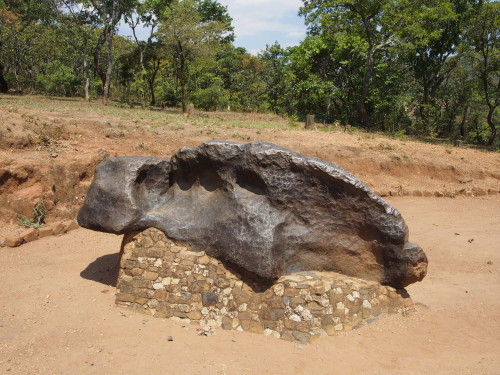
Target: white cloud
[[258, 23], [266, 19]]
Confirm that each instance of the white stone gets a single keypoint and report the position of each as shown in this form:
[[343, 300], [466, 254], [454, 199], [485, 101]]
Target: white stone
[[152, 303], [276, 334], [223, 311], [299, 309], [350, 298], [339, 291], [225, 301], [268, 332], [239, 329], [366, 304], [226, 291], [295, 318], [243, 307], [325, 302], [339, 327], [167, 281], [204, 311], [175, 281], [340, 306], [356, 294], [158, 262], [279, 289], [158, 286], [306, 315]]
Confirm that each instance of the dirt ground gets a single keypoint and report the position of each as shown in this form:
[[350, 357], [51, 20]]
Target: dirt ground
[[57, 311], [58, 314]]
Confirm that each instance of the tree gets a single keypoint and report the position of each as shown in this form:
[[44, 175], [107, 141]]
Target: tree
[[148, 14], [85, 24], [369, 21], [482, 48], [275, 75], [16, 16], [186, 37], [109, 13], [427, 38]]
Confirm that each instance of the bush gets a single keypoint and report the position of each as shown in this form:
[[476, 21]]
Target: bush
[[57, 79], [211, 98]]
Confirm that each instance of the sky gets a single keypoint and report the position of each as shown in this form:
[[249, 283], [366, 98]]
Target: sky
[[258, 23]]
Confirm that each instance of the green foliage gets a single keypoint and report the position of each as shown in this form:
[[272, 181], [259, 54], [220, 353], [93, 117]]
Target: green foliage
[[427, 68], [212, 95], [38, 217], [56, 78]]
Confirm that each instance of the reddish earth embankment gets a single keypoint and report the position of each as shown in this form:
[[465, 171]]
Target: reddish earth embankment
[[49, 150]]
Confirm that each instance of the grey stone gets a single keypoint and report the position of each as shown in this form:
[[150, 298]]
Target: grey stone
[[209, 298], [301, 336], [259, 208]]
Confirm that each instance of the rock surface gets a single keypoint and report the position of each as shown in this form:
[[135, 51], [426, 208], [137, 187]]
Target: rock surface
[[261, 209]]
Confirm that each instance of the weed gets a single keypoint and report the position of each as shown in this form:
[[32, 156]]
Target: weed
[[38, 216], [399, 156], [293, 120], [177, 127], [48, 134], [448, 150], [401, 134], [385, 146]]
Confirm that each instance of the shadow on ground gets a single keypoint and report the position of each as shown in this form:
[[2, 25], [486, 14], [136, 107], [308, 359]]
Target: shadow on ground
[[104, 269]]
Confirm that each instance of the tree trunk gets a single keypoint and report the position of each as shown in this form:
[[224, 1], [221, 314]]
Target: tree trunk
[[107, 82], [4, 86], [183, 85], [362, 112], [491, 124], [152, 84], [310, 122], [87, 79]]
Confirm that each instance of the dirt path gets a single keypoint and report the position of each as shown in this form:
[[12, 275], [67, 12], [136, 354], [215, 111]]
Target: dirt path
[[57, 312]]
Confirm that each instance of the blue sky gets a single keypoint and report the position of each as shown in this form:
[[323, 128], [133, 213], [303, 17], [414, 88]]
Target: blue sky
[[261, 22], [258, 23]]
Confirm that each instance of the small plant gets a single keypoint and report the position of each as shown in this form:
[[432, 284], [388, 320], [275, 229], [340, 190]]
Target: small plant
[[48, 134], [38, 216], [400, 134], [293, 120], [385, 146]]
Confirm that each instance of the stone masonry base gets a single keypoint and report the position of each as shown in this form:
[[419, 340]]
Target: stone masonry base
[[163, 279]]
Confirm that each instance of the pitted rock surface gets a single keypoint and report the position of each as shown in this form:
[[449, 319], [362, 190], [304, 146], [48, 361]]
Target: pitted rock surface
[[263, 210]]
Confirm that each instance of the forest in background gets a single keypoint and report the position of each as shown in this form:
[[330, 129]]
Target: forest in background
[[428, 68]]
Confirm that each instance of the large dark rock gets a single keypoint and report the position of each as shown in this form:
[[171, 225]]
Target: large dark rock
[[262, 209]]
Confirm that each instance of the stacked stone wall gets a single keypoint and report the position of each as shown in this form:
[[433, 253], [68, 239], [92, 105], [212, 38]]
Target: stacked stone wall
[[161, 278]]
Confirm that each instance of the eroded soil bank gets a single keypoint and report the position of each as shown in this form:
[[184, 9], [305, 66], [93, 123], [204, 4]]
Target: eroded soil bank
[[49, 149]]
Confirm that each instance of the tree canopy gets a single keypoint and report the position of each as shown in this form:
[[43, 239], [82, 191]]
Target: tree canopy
[[428, 68]]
